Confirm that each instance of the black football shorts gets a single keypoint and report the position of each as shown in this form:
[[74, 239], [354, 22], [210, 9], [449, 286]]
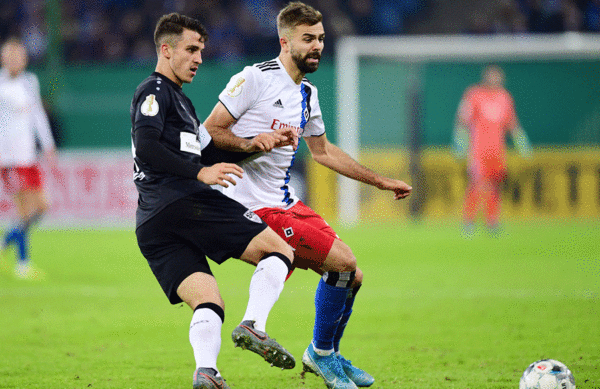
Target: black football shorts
[[178, 239]]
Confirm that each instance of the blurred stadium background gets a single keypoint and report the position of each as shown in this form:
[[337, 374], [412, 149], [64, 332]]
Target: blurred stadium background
[[455, 313], [90, 55]]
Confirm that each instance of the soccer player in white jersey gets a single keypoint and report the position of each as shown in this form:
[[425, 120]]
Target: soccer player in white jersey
[[22, 120], [275, 94]]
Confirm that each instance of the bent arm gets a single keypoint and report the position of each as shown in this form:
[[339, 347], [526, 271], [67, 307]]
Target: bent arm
[[149, 150], [212, 155], [219, 124]]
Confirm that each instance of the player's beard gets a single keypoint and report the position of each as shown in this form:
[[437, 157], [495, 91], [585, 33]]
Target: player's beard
[[303, 65]]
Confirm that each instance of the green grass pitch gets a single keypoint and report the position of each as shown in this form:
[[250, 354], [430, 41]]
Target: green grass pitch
[[435, 311]]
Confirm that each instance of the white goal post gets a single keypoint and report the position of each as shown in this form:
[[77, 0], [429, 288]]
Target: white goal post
[[419, 49]]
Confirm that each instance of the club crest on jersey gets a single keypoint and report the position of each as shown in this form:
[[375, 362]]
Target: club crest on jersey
[[149, 106], [252, 217], [236, 88]]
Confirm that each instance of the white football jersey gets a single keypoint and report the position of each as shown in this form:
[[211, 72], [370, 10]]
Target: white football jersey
[[263, 98], [22, 118]]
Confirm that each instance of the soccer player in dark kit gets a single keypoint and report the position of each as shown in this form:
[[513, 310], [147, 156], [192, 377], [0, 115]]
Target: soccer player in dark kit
[[181, 220]]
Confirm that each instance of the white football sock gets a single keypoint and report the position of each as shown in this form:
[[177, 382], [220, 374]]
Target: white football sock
[[265, 287], [205, 337]]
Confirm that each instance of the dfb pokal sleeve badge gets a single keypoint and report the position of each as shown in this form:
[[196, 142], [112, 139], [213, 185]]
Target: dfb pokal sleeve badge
[[149, 106]]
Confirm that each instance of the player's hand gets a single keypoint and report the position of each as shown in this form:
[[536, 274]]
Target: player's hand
[[288, 136], [262, 142], [400, 188], [267, 141], [220, 174], [460, 142]]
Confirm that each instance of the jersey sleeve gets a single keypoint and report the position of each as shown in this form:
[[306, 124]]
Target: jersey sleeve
[[242, 91], [315, 125], [40, 119], [151, 107]]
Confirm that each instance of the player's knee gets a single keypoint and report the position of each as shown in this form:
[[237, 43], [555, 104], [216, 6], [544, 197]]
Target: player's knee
[[358, 278], [288, 252], [199, 288], [274, 243], [340, 258], [340, 264], [286, 260], [349, 263], [266, 242], [284, 249]]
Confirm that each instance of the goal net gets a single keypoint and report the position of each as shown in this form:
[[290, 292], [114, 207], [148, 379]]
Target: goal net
[[397, 98]]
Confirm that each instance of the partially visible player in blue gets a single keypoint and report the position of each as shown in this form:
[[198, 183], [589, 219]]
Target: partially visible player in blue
[[181, 220]]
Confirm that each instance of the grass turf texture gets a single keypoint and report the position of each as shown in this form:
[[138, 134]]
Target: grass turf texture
[[435, 311]]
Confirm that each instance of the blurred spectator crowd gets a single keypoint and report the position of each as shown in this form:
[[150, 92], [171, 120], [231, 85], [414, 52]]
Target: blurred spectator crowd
[[535, 16], [121, 30]]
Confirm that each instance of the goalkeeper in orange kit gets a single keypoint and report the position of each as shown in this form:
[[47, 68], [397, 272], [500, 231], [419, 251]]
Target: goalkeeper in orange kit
[[485, 115]]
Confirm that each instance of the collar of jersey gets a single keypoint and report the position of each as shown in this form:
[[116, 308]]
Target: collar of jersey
[[4, 74], [166, 79], [287, 75]]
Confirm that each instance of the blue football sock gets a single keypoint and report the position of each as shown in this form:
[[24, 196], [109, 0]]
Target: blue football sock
[[22, 247], [11, 236], [345, 317], [329, 303]]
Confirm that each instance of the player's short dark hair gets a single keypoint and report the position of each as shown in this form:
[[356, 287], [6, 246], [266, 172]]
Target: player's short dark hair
[[295, 14], [170, 27]]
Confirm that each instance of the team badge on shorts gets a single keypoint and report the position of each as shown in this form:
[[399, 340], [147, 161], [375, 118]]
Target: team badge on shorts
[[288, 232], [252, 217]]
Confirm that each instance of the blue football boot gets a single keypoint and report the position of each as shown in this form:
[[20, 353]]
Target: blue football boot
[[360, 377], [327, 367]]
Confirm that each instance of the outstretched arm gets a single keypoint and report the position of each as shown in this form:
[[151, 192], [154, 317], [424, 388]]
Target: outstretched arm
[[331, 156], [219, 124]]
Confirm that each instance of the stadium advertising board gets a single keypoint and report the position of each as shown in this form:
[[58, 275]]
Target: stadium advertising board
[[556, 183], [87, 189]]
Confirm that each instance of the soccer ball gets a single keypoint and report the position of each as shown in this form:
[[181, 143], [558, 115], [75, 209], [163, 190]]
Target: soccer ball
[[547, 374]]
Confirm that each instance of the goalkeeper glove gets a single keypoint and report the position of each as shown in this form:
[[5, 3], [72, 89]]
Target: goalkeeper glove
[[522, 142], [460, 143]]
